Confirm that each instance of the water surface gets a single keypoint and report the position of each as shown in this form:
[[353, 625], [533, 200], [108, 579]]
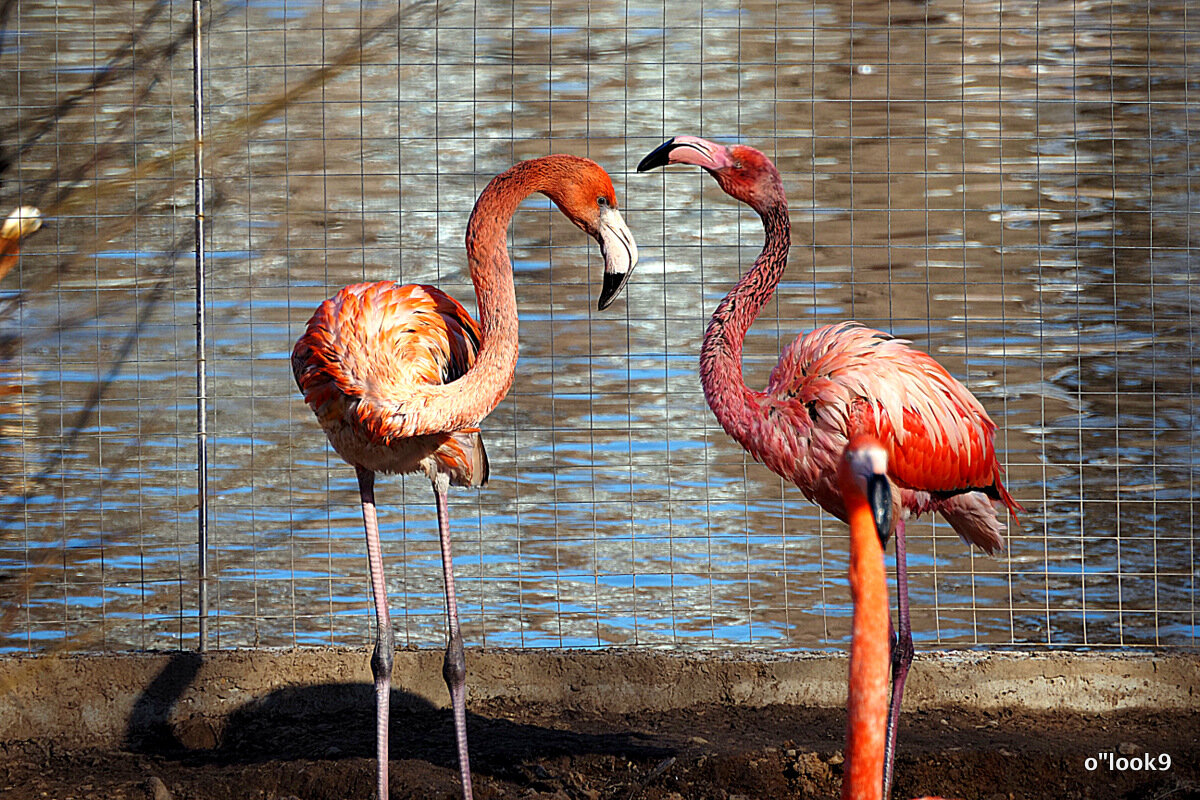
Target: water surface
[[1011, 187]]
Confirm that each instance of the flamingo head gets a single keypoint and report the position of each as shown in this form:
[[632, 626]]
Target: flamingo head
[[864, 467], [21, 223], [585, 194], [743, 172]]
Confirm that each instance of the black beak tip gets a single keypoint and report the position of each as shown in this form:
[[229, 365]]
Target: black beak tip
[[658, 157], [879, 494], [613, 283]]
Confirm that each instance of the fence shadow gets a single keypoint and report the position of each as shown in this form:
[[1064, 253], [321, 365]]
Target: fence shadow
[[149, 729]]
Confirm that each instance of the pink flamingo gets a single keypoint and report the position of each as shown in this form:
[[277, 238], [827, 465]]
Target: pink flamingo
[[837, 381], [870, 505], [401, 376]]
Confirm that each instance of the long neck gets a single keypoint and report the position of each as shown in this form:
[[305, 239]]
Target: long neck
[[721, 356], [869, 661], [473, 396]]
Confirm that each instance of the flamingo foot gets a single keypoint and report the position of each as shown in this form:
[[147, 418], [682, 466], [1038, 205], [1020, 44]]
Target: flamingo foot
[[454, 666], [454, 671], [385, 641], [381, 668], [902, 656]]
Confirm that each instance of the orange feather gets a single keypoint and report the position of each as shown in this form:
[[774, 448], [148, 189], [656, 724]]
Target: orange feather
[[364, 356]]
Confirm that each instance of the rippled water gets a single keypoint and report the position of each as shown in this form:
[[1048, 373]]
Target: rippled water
[[1010, 186]]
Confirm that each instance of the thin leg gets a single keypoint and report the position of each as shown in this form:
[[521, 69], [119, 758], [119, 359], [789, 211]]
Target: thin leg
[[454, 668], [902, 656], [385, 643]]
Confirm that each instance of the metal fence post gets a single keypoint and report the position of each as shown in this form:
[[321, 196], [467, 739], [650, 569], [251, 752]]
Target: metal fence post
[[201, 383]]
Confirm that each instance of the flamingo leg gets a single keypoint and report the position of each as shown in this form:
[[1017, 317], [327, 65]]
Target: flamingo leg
[[902, 656], [454, 668], [385, 643]]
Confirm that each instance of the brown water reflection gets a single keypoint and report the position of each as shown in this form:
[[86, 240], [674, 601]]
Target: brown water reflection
[[1011, 190]]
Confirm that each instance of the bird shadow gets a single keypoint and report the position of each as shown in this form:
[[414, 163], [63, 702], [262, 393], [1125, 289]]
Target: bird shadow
[[328, 721]]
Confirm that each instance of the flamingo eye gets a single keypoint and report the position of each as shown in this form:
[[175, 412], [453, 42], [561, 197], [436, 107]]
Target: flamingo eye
[[602, 201]]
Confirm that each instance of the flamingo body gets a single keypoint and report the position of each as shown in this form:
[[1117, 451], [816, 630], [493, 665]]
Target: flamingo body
[[363, 363], [845, 379]]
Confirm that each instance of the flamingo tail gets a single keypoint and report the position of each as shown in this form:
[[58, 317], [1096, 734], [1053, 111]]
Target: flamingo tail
[[974, 519], [470, 466]]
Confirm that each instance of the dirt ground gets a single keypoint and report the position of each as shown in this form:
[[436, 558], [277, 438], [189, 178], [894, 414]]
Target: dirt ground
[[720, 752]]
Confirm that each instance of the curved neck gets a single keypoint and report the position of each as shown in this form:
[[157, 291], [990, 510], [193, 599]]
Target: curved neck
[[721, 355], [484, 385], [867, 702]]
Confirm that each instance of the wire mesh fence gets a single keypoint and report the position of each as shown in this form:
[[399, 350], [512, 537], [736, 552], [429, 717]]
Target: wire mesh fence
[[1010, 186]]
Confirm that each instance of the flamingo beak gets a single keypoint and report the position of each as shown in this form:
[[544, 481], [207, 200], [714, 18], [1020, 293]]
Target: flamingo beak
[[688, 150], [619, 251], [879, 496]]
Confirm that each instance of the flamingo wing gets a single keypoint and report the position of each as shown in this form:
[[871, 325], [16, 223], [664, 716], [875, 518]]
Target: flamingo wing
[[851, 379], [362, 363]]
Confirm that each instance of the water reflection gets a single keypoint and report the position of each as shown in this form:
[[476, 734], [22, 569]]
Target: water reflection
[[1009, 190]]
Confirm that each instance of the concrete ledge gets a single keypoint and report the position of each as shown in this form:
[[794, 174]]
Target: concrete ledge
[[103, 700]]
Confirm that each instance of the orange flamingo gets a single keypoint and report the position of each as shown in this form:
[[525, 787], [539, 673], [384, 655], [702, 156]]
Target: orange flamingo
[[22, 222], [401, 376], [870, 504], [837, 381]]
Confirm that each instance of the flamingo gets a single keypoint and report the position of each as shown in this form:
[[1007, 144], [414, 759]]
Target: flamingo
[[837, 381], [401, 376], [870, 504], [22, 222]]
